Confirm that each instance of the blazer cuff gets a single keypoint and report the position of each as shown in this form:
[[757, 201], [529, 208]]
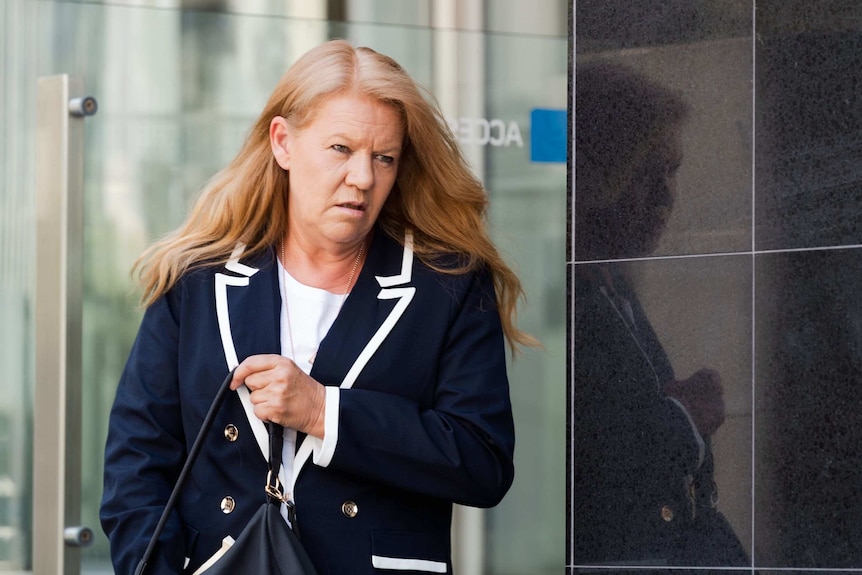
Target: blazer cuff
[[323, 450]]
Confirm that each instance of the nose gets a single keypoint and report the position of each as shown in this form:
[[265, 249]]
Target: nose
[[360, 172]]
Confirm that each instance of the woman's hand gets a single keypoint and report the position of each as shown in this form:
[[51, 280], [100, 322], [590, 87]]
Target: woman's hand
[[282, 393], [703, 397]]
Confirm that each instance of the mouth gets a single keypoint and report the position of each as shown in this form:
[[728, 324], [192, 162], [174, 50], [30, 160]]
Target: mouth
[[356, 206]]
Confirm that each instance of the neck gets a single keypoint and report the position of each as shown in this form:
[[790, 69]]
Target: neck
[[322, 269]]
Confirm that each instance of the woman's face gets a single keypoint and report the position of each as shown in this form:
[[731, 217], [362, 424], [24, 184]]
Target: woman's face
[[342, 165], [645, 205]]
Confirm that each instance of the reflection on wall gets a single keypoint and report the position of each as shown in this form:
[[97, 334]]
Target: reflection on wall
[[646, 413], [783, 318], [699, 308], [714, 179]]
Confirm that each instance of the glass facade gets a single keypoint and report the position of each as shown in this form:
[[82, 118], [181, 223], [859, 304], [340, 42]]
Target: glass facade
[[178, 84]]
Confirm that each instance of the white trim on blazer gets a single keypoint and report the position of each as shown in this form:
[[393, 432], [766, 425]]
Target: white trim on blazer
[[322, 450]]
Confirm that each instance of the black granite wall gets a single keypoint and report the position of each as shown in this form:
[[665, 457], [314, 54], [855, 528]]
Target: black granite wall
[[714, 281]]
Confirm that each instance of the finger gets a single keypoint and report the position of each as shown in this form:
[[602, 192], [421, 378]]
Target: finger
[[268, 407], [258, 396], [251, 365], [260, 379], [263, 412]]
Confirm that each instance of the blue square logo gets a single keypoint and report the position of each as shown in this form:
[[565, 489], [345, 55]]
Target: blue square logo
[[548, 135]]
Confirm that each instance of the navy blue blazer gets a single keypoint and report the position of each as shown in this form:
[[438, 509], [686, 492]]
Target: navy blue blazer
[[424, 417]]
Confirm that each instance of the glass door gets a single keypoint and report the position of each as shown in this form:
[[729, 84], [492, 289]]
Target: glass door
[[177, 90]]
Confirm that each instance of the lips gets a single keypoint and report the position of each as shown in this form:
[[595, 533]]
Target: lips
[[360, 206]]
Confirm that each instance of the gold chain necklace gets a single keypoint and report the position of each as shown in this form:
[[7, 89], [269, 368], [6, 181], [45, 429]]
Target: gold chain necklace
[[284, 294]]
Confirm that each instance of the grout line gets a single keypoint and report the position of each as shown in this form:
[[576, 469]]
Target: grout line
[[751, 252], [753, 277], [753, 121], [653, 569], [570, 271]]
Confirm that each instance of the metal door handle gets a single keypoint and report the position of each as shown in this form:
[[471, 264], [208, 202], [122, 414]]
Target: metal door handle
[[78, 536]]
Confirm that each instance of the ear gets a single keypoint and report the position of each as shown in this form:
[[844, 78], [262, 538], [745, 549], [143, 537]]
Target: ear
[[279, 141]]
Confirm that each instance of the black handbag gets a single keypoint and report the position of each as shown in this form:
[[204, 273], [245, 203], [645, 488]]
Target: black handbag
[[267, 544]]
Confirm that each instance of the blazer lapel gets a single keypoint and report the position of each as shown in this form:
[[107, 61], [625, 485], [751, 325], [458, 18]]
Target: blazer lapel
[[369, 314], [247, 307]]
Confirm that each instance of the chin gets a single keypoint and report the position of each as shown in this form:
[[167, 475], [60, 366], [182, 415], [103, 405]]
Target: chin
[[350, 236]]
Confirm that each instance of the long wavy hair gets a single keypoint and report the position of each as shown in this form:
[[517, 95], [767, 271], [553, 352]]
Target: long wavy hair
[[435, 193]]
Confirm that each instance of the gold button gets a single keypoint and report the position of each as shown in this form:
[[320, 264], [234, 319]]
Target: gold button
[[667, 513], [227, 505], [350, 509], [231, 433]]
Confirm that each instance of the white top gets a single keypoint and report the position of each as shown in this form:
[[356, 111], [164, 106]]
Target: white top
[[312, 312]]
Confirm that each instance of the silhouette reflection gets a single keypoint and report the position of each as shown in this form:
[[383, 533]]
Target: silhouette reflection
[[643, 469]]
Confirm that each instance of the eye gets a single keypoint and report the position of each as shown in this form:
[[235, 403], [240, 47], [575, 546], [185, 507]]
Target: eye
[[385, 159], [340, 148]]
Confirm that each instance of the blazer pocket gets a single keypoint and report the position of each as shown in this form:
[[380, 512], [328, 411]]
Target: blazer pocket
[[406, 552], [226, 544]]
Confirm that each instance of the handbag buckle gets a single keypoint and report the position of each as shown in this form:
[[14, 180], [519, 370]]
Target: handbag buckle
[[273, 487]]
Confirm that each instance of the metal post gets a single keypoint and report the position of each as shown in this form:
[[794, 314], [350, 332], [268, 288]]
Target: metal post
[[57, 536], [458, 63]]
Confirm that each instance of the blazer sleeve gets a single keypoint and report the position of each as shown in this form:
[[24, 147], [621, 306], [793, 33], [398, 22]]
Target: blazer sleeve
[[458, 445], [145, 447]]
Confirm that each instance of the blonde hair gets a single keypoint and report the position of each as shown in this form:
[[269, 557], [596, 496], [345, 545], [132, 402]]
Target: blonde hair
[[435, 193]]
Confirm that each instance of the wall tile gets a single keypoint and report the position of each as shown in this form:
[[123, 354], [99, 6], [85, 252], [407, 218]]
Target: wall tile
[[704, 156], [638, 328], [809, 400], [809, 124]]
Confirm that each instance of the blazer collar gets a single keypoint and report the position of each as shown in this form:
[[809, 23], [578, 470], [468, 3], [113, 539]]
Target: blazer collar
[[248, 307], [369, 312]]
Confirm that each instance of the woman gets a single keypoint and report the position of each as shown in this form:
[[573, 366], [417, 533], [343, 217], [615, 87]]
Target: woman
[[340, 263], [643, 468]]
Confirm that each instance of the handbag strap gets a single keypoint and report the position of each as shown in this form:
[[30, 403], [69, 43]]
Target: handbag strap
[[276, 446], [223, 390], [274, 489]]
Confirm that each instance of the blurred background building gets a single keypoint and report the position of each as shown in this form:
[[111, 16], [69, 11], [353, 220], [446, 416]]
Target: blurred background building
[[178, 83]]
